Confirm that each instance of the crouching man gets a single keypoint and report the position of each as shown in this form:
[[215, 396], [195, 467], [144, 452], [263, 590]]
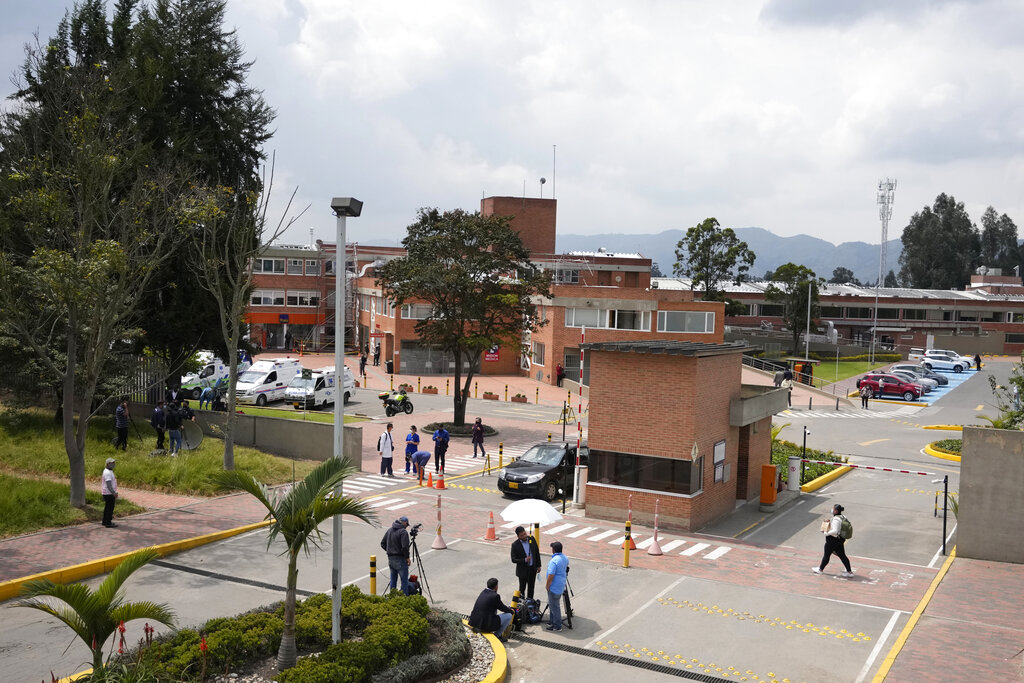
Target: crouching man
[[485, 617]]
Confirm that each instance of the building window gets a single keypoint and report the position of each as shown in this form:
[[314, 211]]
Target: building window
[[888, 313], [567, 276], [748, 310], [312, 267], [772, 310], [267, 297], [670, 475], [268, 265], [538, 353], [303, 298], [914, 314], [861, 313], [702, 322], [629, 320], [720, 461], [608, 319], [831, 311], [329, 266], [295, 266], [417, 311], [582, 317]]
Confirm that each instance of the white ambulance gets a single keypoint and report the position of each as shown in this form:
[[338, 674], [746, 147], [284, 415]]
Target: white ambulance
[[317, 388], [266, 381]]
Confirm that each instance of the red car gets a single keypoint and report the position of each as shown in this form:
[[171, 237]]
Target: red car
[[890, 385]]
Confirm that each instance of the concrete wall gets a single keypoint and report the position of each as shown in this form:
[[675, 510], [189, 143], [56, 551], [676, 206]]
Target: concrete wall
[[991, 495]]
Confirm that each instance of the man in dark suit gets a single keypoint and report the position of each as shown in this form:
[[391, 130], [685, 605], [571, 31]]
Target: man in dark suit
[[526, 558], [485, 617]]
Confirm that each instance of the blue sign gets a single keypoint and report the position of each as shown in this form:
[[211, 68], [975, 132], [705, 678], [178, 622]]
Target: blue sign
[[283, 318]]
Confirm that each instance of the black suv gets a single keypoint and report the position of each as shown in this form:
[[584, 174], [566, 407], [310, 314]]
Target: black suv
[[542, 470]]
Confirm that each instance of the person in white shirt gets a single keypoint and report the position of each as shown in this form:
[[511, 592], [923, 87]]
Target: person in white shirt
[[386, 449], [109, 490], [835, 544]]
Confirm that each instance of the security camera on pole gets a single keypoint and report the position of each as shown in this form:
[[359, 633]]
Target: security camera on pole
[[342, 208]]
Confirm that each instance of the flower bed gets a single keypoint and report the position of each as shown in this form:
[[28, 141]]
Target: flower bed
[[490, 397]]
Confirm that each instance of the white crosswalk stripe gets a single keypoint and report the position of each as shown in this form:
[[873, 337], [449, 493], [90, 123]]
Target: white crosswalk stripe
[[585, 530], [603, 534], [383, 501], [644, 545], [559, 529], [400, 506], [671, 545], [717, 553], [692, 550], [852, 413], [510, 525], [622, 539]]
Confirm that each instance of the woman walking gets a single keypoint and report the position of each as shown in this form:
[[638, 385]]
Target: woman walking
[[478, 438], [835, 541]]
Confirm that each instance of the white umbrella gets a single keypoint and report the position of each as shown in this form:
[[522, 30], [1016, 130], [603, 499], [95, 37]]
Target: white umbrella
[[530, 511]]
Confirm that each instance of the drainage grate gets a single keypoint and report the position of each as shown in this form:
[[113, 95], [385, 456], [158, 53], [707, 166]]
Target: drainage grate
[[226, 577]]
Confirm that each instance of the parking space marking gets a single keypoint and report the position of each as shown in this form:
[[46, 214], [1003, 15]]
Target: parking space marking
[[694, 549]]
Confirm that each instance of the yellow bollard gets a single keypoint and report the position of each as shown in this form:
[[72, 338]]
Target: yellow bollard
[[373, 574], [501, 454], [626, 544], [418, 385], [447, 384], [476, 385], [549, 436], [536, 533], [516, 597], [506, 393], [392, 382], [488, 456]]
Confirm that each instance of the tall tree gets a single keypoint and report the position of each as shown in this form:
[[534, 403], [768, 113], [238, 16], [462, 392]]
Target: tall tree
[[477, 276], [709, 254], [891, 280], [790, 287], [998, 240], [843, 275], [940, 246]]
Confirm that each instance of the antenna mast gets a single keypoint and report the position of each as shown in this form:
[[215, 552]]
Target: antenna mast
[[886, 190]]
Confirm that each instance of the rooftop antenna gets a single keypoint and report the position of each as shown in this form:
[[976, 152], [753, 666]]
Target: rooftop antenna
[[542, 181], [554, 159], [886, 191]]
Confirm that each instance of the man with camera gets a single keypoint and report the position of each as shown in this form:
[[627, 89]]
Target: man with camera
[[485, 617], [396, 544], [526, 558]]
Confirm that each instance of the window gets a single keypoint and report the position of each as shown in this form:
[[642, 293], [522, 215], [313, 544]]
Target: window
[[268, 265], [312, 267], [831, 311], [303, 298], [271, 378], [329, 266], [772, 310], [538, 353], [748, 310], [267, 297], [295, 266], [417, 311], [702, 322], [629, 320], [608, 319], [888, 313], [646, 472], [914, 314], [862, 313], [567, 276], [1015, 317], [719, 460], [582, 317]]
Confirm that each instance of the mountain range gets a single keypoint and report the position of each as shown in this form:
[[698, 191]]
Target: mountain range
[[770, 249]]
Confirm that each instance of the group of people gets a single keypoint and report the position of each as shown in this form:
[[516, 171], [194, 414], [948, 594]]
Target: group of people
[[417, 458], [490, 614], [168, 417]]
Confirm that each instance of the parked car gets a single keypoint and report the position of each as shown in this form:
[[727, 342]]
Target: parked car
[[921, 371], [885, 384], [926, 384], [542, 470], [967, 360], [935, 361]]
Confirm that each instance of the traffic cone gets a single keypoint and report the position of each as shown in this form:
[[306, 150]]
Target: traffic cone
[[632, 544], [491, 536], [430, 479], [440, 481]]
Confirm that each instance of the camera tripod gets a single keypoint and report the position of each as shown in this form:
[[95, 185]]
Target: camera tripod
[[568, 603], [421, 576]]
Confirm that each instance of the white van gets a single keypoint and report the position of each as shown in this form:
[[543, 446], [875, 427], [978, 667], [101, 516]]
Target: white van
[[212, 371], [266, 380], [312, 389]]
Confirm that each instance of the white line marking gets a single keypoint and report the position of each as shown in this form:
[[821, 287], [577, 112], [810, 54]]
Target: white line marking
[[400, 505], [938, 553], [878, 647], [581, 532], [643, 545], [671, 545], [717, 553], [640, 609], [692, 550], [561, 527], [384, 501], [603, 534], [510, 525]]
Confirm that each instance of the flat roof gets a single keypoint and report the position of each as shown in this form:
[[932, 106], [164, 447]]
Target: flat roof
[[674, 348]]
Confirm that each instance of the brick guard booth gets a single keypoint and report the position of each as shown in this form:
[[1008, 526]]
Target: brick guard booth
[[654, 405]]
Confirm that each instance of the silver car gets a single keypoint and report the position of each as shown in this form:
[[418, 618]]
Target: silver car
[[926, 384], [921, 371]]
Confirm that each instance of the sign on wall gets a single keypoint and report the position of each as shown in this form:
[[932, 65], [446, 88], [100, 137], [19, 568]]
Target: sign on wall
[[492, 353]]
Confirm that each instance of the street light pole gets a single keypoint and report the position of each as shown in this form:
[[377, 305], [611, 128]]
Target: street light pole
[[342, 208]]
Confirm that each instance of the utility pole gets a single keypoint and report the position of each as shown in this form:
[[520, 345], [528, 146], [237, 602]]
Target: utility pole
[[886, 190]]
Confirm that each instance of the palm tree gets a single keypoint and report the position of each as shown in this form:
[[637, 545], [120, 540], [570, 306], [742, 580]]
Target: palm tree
[[296, 516], [93, 616]]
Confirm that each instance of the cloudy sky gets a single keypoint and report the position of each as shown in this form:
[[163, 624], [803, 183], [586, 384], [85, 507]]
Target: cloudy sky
[[642, 116]]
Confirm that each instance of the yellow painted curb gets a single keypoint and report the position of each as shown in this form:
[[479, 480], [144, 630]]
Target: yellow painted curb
[[887, 663], [499, 667], [10, 589], [816, 484], [939, 454], [894, 402], [75, 677], [952, 428]]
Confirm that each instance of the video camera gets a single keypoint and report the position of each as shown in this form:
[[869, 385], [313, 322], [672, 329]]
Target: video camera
[[415, 530]]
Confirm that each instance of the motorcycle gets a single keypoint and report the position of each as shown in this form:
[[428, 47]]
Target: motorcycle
[[395, 402]]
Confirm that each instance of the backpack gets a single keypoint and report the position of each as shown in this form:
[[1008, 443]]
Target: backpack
[[379, 438], [846, 528]]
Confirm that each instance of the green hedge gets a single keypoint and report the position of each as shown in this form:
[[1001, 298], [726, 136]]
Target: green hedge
[[950, 446], [782, 450]]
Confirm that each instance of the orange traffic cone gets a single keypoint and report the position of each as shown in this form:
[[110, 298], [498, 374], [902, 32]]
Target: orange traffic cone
[[440, 481], [430, 479], [490, 530]]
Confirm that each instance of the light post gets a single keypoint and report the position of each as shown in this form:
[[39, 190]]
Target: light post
[[343, 207]]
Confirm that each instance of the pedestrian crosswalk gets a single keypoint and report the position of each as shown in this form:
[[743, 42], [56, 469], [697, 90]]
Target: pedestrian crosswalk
[[615, 537], [852, 413], [365, 483]]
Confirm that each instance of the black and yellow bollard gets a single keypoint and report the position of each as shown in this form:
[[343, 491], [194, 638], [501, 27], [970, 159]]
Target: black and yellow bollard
[[506, 393], [516, 623], [549, 436], [476, 385], [392, 382], [536, 396], [627, 543], [536, 533], [373, 574], [487, 456], [501, 454], [418, 385]]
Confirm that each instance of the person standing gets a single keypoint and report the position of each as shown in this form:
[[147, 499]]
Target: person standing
[[787, 384], [835, 542], [441, 438], [376, 354], [157, 422], [173, 420], [559, 374], [777, 380], [412, 444], [865, 394], [558, 572], [386, 449], [362, 366], [173, 395], [526, 557], [977, 362], [396, 544], [478, 438], [108, 489], [121, 424], [485, 617]]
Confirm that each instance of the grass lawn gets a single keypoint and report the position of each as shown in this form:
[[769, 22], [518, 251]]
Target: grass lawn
[[31, 442], [292, 414], [826, 372], [30, 504]]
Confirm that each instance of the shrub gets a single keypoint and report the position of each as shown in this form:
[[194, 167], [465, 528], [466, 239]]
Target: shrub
[[454, 651], [313, 622], [782, 450], [950, 446]]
